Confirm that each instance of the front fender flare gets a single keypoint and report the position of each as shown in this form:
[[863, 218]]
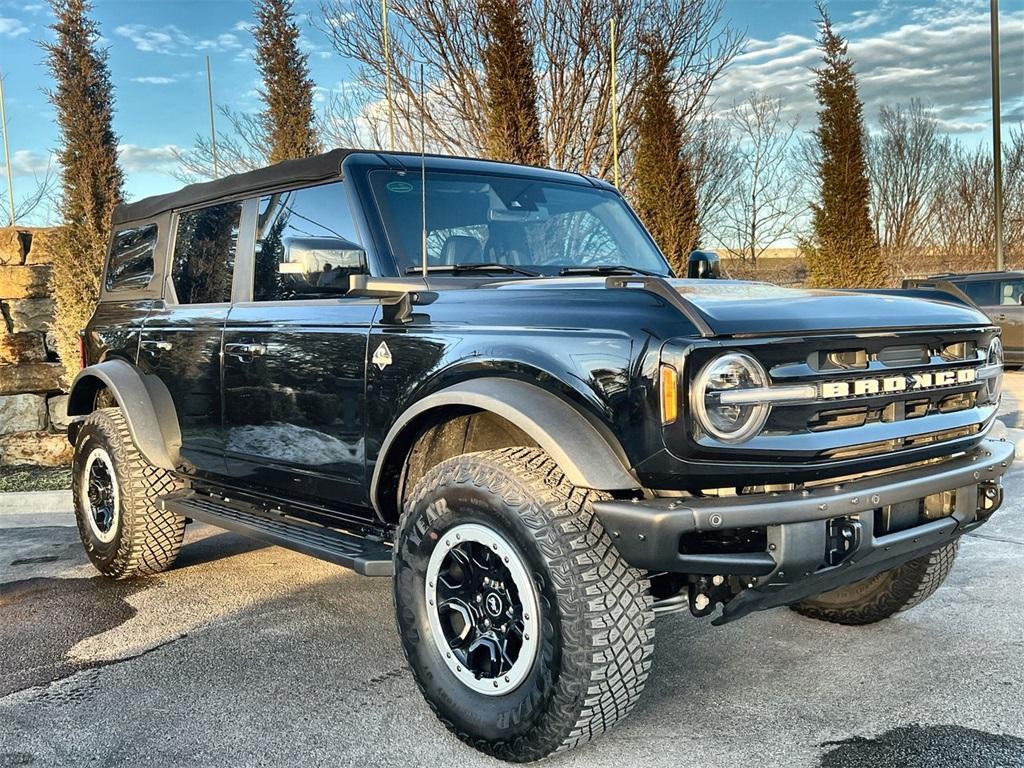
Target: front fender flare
[[145, 402], [585, 449]]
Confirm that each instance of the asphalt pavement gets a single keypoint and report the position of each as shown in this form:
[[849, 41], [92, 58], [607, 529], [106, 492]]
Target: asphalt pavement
[[249, 655]]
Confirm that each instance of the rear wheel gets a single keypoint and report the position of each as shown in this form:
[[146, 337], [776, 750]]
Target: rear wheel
[[116, 493], [882, 595], [525, 630]]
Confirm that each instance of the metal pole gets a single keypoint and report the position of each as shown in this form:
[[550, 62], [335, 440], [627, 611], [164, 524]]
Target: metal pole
[[213, 130], [615, 112], [7, 154], [997, 142], [387, 73]]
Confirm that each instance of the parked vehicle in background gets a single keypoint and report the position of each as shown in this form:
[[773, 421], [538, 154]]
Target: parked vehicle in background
[[483, 381], [1000, 295]]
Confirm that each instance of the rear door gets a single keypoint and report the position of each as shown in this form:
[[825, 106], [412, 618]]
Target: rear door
[[295, 354], [1009, 314], [181, 337]]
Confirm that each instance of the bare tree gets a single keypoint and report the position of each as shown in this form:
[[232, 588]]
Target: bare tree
[[906, 160], [766, 198], [964, 220], [241, 147], [574, 83], [1013, 196], [38, 203]]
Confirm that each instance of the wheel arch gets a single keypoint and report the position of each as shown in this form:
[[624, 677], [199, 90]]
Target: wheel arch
[[144, 400], [585, 449]]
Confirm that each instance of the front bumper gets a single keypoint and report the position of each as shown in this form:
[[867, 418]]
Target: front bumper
[[801, 528]]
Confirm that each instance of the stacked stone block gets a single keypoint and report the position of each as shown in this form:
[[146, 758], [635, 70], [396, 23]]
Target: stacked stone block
[[33, 410]]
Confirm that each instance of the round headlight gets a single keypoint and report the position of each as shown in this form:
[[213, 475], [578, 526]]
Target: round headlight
[[718, 401], [994, 360]]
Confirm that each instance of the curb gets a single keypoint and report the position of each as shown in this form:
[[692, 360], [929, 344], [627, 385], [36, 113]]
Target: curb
[[36, 503]]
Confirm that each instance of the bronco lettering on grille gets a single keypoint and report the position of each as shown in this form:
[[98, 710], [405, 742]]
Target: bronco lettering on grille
[[902, 383]]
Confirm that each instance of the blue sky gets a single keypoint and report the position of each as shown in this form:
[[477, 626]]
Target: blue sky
[[936, 51]]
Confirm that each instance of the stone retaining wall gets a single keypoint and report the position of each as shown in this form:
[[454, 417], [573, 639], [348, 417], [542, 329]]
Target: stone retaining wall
[[33, 410]]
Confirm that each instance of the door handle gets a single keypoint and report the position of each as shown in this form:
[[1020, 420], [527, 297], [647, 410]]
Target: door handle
[[245, 350], [160, 346], [1001, 316]]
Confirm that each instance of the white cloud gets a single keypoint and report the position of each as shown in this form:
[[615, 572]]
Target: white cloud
[[168, 40], [223, 42], [940, 57], [11, 27], [171, 41], [28, 162], [33, 8], [136, 159], [154, 80]]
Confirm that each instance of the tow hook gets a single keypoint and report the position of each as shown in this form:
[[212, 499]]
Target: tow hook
[[990, 498], [706, 592], [842, 538]]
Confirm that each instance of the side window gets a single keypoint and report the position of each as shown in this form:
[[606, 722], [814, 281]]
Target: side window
[[1011, 292], [204, 254], [306, 245], [981, 292], [131, 258]]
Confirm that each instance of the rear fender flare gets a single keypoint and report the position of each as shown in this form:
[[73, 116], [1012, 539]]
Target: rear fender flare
[[145, 402]]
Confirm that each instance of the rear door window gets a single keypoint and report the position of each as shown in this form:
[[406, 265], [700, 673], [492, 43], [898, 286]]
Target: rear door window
[[1011, 291], [981, 292], [131, 258], [204, 253]]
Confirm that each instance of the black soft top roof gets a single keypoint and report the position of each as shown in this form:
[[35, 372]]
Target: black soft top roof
[[314, 168], [319, 168]]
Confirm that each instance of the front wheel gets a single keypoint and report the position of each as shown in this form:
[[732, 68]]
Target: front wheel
[[886, 593], [525, 630]]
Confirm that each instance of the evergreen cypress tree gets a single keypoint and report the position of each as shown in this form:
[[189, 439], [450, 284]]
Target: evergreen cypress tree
[[843, 250], [288, 119], [513, 126], [666, 196], [91, 178]]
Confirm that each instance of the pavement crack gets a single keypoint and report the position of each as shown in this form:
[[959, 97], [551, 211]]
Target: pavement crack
[[995, 538]]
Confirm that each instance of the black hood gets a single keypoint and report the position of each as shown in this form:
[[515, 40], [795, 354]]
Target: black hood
[[734, 307]]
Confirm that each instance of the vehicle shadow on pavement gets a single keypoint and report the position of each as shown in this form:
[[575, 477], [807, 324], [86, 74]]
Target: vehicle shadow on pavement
[[210, 544]]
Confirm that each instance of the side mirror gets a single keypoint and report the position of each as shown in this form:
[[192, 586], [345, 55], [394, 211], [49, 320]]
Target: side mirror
[[704, 265]]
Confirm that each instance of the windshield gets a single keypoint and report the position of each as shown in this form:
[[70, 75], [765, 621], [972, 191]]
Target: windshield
[[535, 226]]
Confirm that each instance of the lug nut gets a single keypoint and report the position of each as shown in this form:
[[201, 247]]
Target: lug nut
[[718, 580], [700, 602]]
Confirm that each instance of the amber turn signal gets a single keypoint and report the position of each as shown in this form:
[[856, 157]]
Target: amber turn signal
[[669, 394]]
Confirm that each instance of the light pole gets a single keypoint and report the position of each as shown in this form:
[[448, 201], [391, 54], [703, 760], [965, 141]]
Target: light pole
[[997, 147], [7, 154]]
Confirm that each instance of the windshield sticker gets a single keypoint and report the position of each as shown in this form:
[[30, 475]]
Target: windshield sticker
[[399, 186]]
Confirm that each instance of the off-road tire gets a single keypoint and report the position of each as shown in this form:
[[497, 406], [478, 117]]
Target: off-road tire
[[596, 610], [147, 539], [887, 593]]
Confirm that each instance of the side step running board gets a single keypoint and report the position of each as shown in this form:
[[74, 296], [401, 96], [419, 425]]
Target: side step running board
[[369, 557]]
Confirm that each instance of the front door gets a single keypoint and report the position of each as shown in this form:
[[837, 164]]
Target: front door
[[181, 337], [295, 355]]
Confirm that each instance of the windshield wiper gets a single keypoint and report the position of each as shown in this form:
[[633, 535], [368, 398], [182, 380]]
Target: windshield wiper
[[485, 267], [608, 269]]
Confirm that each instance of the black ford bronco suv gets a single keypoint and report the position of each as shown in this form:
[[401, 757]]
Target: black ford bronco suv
[[484, 381]]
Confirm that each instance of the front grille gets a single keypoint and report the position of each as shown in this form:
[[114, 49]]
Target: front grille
[[877, 394]]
